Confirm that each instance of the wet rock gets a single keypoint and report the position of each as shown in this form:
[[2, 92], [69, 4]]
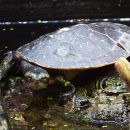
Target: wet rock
[[3, 121]]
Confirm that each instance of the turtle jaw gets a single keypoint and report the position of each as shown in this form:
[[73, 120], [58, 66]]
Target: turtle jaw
[[123, 68], [37, 85]]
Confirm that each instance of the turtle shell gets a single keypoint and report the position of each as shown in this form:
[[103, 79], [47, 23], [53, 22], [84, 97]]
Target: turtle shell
[[80, 46]]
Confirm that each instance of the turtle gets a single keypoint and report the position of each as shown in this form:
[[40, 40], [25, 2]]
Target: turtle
[[70, 50]]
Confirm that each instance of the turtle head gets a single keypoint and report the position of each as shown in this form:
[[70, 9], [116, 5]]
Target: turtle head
[[37, 78]]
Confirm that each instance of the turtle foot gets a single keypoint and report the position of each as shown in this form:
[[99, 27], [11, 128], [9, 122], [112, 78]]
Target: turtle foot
[[122, 66]]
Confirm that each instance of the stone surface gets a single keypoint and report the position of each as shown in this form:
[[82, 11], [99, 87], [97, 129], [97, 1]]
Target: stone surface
[[3, 121]]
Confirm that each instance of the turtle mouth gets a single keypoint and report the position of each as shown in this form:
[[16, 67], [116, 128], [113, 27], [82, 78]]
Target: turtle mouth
[[37, 85]]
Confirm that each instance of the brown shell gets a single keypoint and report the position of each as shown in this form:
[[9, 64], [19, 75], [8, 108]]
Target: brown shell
[[82, 46]]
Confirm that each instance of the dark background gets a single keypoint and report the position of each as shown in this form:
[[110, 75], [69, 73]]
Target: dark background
[[14, 10]]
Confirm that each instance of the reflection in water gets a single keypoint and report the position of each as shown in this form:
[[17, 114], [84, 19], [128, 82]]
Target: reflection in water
[[67, 21]]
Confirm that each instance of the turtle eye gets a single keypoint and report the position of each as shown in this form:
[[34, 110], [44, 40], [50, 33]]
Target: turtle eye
[[44, 79]]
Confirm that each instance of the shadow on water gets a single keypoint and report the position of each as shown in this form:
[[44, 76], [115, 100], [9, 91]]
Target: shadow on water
[[15, 34]]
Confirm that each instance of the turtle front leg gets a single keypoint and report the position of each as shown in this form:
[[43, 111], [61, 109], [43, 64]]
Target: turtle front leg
[[6, 64], [65, 95], [36, 76], [123, 68]]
